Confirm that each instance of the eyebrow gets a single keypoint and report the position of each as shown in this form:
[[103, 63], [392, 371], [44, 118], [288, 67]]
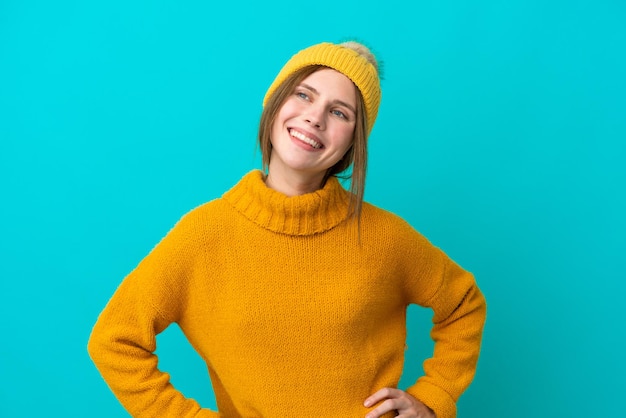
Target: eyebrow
[[341, 102]]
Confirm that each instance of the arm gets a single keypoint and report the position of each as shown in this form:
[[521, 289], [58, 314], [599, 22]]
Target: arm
[[459, 311], [457, 331], [428, 277], [123, 341]]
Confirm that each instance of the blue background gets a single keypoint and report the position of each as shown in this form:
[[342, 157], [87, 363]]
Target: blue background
[[500, 137]]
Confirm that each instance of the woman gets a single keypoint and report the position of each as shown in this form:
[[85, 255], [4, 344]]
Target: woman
[[292, 289]]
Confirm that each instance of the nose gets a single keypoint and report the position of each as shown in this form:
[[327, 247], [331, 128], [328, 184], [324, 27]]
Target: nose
[[315, 115]]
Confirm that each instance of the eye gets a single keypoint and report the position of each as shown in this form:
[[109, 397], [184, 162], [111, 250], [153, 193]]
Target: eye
[[339, 113], [302, 95]]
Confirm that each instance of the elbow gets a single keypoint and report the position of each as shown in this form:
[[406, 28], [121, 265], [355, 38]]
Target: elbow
[[92, 347], [95, 345]]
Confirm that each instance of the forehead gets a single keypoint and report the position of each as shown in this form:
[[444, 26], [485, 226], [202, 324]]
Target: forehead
[[332, 84]]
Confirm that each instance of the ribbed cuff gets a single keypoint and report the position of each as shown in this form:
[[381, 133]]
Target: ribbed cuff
[[435, 398]]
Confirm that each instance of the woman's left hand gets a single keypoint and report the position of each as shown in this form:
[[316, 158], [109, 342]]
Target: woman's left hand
[[397, 400]]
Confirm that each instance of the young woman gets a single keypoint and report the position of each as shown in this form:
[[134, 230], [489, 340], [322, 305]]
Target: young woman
[[292, 289]]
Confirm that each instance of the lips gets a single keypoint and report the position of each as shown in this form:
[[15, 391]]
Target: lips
[[304, 138]]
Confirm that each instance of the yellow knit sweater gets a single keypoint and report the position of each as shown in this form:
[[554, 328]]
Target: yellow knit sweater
[[293, 316]]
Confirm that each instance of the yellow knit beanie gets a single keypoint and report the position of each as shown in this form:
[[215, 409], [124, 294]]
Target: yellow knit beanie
[[343, 59]]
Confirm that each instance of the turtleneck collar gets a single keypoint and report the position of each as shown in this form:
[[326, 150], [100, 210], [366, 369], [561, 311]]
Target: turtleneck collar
[[306, 214]]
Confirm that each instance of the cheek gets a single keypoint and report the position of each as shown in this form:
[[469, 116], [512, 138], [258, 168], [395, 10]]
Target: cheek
[[288, 110], [281, 117], [347, 136]]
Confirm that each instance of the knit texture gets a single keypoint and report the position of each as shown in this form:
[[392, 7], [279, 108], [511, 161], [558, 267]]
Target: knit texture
[[293, 316], [345, 60]]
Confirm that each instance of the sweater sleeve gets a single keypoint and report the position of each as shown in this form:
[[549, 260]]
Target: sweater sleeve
[[123, 340], [459, 311]]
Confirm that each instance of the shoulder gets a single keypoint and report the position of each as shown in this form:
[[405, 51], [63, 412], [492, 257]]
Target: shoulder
[[381, 220], [201, 219], [205, 210], [381, 227]]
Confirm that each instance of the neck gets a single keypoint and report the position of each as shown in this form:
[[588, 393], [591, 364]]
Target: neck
[[294, 184]]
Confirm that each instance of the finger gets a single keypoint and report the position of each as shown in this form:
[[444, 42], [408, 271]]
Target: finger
[[385, 407], [384, 393]]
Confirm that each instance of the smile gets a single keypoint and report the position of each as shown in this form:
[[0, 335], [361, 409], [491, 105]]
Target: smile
[[300, 136]]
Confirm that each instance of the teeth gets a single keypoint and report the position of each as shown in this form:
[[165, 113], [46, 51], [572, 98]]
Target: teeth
[[306, 139]]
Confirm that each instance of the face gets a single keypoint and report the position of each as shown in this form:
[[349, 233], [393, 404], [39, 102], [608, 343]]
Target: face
[[314, 127]]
